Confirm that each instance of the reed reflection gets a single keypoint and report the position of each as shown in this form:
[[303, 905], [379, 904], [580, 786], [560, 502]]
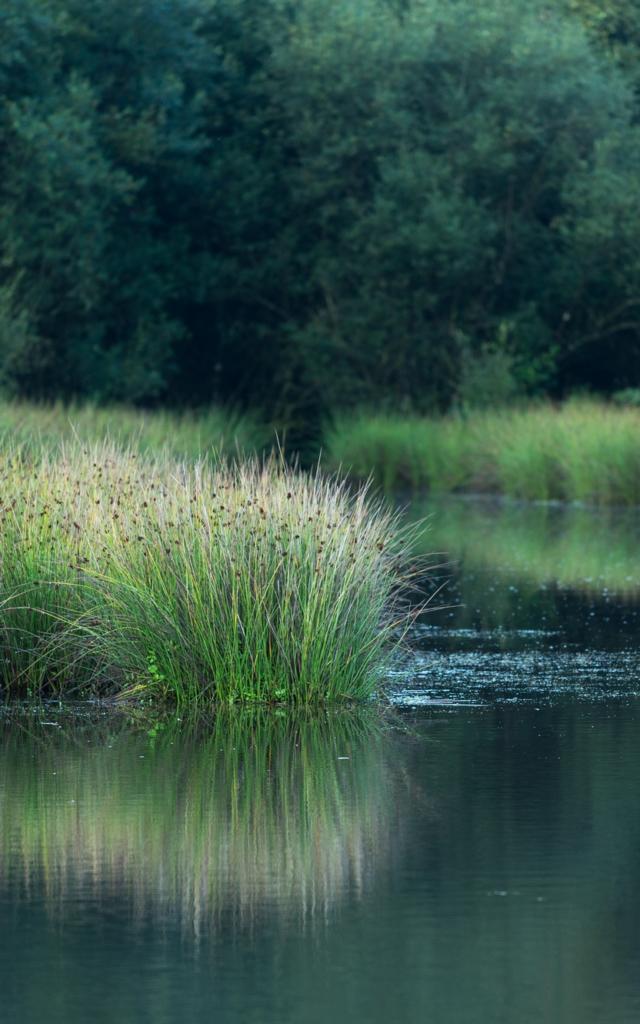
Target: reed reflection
[[263, 812], [587, 550]]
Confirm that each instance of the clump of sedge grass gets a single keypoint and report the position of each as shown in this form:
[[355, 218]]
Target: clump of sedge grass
[[195, 583], [252, 583], [46, 517]]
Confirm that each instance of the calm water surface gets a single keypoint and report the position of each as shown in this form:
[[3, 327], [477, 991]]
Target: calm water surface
[[474, 856]]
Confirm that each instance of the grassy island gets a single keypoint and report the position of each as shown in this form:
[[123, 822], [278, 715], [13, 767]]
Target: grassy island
[[198, 583]]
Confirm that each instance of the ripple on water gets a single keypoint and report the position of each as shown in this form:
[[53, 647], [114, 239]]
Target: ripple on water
[[423, 631], [462, 676]]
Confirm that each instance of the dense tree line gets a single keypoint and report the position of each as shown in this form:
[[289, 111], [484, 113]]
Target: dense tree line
[[296, 204]]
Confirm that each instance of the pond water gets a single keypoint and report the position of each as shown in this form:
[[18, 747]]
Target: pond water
[[471, 856]]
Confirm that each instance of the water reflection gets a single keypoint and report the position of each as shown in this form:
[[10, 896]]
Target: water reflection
[[524, 887], [593, 551], [520, 578], [479, 865], [259, 813]]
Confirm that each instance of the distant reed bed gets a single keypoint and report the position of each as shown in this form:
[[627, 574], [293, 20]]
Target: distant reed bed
[[584, 451], [192, 582], [213, 431]]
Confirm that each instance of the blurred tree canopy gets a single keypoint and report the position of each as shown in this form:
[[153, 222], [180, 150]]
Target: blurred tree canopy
[[298, 204], [615, 24]]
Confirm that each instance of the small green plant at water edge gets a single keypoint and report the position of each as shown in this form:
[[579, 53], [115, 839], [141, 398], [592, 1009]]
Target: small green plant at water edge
[[154, 674]]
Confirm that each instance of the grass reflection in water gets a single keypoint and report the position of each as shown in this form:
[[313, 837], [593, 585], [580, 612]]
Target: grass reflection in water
[[264, 811], [584, 549]]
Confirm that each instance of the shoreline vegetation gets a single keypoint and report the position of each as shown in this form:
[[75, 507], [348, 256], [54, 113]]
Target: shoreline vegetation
[[174, 558], [192, 434], [582, 451], [194, 583]]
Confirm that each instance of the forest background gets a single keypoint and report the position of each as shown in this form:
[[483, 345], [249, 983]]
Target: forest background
[[298, 206]]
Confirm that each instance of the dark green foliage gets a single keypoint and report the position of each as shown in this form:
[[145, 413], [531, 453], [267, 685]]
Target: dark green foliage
[[300, 205], [615, 26]]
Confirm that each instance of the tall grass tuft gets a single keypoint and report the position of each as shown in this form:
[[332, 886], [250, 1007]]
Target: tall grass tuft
[[194, 583], [584, 451]]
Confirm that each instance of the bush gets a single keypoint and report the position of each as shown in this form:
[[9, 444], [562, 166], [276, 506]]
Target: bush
[[627, 397], [487, 378]]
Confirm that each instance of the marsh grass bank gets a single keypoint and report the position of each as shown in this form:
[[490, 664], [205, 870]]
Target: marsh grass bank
[[585, 450], [582, 451], [206, 433], [149, 578]]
